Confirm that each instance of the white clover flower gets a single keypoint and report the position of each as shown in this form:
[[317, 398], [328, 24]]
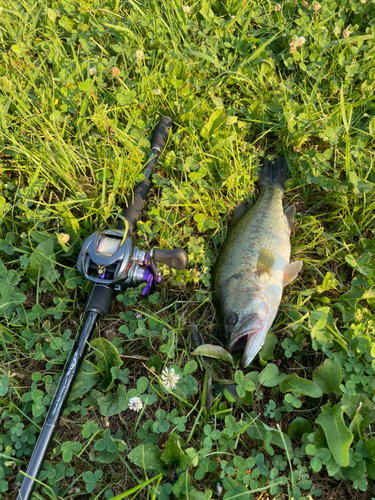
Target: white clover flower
[[301, 41], [232, 17], [298, 42], [92, 71], [135, 404], [346, 33], [186, 9], [362, 1], [277, 7], [157, 91], [139, 55], [336, 31], [317, 6], [169, 378]]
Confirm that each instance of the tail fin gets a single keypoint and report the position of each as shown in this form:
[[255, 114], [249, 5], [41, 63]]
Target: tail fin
[[273, 174]]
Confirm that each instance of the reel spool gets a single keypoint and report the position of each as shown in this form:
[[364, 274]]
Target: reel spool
[[108, 246]]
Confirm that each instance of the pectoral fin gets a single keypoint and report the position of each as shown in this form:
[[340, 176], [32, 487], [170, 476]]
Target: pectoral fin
[[290, 214], [291, 271]]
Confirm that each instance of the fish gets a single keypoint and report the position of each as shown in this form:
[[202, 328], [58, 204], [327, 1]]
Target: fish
[[253, 265]]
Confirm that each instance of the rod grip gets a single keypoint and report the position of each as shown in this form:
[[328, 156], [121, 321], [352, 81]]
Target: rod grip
[[133, 212], [177, 258], [161, 132]]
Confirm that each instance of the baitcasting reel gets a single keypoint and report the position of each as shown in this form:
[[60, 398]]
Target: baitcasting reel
[[109, 258]]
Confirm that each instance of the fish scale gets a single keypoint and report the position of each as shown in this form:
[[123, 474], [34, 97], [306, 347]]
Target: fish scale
[[253, 266]]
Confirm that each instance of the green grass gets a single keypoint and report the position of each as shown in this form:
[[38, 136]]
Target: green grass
[[73, 142]]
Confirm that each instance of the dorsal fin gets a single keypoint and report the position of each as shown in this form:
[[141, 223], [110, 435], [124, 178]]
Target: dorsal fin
[[241, 208], [290, 214]]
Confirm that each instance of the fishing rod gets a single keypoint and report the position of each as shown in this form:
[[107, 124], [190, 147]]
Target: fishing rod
[[111, 261]]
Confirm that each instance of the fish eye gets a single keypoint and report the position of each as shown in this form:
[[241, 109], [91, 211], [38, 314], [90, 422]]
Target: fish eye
[[231, 319]]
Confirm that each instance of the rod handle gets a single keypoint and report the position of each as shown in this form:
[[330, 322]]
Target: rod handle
[[133, 211], [177, 258], [161, 132]]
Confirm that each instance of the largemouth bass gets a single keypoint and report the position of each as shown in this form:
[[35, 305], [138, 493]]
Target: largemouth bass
[[253, 266]]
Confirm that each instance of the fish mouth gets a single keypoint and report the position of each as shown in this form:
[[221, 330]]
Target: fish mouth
[[249, 341], [239, 342]]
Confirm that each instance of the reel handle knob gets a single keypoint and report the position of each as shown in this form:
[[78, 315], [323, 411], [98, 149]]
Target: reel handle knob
[[177, 258]]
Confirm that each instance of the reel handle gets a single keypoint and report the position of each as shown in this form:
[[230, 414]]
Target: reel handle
[[177, 258], [133, 211]]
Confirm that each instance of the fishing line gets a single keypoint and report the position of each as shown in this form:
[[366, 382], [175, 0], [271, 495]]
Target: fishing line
[[108, 246]]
